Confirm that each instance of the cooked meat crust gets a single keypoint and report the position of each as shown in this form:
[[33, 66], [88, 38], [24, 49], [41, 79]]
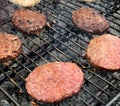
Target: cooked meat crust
[[54, 81], [25, 3], [90, 21], [104, 52], [29, 21], [10, 47]]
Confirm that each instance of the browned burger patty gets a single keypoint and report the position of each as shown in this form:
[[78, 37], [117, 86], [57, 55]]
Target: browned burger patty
[[89, 20], [10, 47], [104, 52], [54, 81], [29, 21]]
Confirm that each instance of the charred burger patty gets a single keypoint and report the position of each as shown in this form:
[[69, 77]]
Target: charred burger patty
[[29, 21], [89, 20]]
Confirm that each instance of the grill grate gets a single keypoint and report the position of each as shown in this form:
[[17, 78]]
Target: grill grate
[[61, 41]]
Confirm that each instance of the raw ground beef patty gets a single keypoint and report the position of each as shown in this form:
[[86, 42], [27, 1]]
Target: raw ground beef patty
[[29, 21], [104, 52], [89, 20], [54, 81], [10, 47]]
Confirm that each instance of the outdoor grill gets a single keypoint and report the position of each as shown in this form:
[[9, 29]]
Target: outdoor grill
[[59, 41]]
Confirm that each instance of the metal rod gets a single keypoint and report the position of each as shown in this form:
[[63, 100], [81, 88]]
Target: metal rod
[[11, 79], [114, 99], [35, 53], [103, 79], [85, 102], [9, 96], [79, 5], [93, 95], [2, 76], [96, 9], [60, 51], [65, 4], [78, 53], [14, 71], [65, 54], [56, 17], [97, 87], [44, 49]]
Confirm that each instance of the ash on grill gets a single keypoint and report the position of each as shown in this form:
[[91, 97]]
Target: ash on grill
[[60, 42]]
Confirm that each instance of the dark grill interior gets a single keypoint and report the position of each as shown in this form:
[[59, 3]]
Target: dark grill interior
[[61, 41]]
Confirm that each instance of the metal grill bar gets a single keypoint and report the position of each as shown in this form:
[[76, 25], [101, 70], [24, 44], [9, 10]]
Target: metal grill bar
[[96, 9], [113, 100], [87, 104], [12, 80], [14, 71], [104, 80], [98, 87], [33, 62], [28, 69], [46, 1], [39, 47], [2, 77], [49, 13], [35, 53], [11, 98], [92, 94], [64, 53], [44, 49], [89, 6], [95, 96], [64, 43], [84, 89]]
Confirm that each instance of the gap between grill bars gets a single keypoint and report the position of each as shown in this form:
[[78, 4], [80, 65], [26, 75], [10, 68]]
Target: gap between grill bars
[[61, 42]]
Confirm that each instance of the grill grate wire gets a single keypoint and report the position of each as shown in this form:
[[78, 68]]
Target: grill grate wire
[[95, 96]]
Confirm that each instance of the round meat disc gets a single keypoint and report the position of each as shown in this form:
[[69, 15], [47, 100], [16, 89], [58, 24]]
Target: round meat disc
[[10, 47], [89, 20], [29, 21], [104, 52], [54, 81], [25, 3]]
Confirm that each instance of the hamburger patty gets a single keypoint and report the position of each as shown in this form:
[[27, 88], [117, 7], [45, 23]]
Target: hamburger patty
[[54, 81], [29, 21], [10, 47], [25, 3], [89, 20], [104, 52]]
